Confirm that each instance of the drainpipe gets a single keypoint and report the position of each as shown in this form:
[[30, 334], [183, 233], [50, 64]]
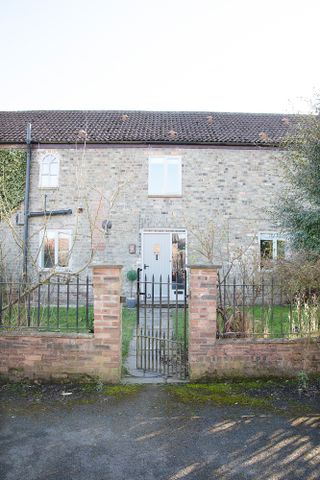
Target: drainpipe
[[26, 205]]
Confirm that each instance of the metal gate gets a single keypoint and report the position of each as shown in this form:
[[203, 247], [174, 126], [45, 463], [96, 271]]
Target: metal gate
[[161, 332]]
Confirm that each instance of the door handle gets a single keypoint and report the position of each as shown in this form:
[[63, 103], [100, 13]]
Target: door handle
[[145, 266]]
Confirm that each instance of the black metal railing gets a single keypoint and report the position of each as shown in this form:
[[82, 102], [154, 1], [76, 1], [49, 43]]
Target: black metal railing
[[162, 326], [55, 304], [265, 309]]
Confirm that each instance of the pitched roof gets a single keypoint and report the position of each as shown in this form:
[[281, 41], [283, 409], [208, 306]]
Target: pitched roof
[[146, 127]]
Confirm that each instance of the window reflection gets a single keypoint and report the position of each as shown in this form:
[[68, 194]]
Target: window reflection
[[178, 260]]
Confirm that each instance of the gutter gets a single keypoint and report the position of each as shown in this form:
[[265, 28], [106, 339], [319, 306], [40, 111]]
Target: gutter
[[72, 144], [26, 204]]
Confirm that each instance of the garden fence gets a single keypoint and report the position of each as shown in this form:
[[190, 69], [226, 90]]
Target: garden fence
[[55, 304], [265, 309]]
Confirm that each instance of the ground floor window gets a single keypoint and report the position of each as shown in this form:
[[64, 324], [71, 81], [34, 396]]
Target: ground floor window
[[272, 246], [55, 249]]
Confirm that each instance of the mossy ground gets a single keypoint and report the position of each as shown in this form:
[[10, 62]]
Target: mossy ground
[[278, 396], [26, 397], [274, 395], [112, 390], [219, 394]]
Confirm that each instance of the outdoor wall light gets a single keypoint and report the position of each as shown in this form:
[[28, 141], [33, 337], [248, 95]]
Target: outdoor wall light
[[107, 225]]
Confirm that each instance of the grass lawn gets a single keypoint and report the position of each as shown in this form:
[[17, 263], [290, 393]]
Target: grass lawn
[[129, 318], [50, 319], [179, 323], [278, 321]]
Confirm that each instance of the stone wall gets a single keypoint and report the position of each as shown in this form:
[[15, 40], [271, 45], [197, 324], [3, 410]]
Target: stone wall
[[229, 186], [79, 357]]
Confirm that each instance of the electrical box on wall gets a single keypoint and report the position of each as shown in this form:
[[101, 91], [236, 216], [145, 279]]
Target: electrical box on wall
[[132, 248], [20, 219]]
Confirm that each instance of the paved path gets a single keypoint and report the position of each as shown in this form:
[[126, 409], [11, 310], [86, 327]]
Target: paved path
[[150, 436], [149, 317]]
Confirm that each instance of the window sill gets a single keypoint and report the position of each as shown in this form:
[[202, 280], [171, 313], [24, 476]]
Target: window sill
[[164, 195], [55, 269]]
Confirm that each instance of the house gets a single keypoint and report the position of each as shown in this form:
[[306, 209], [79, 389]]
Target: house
[[148, 189]]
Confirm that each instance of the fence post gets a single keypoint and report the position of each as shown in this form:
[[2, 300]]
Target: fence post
[[202, 318], [107, 311]]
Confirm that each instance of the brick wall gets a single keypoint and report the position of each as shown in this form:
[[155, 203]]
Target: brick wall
[[209, 357], [259, 358], [80, 357], [202, 318]]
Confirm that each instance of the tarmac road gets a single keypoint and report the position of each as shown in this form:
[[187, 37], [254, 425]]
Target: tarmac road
[[151, 435]]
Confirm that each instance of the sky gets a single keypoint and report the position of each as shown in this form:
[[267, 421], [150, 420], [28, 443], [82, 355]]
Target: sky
[[211, 55]]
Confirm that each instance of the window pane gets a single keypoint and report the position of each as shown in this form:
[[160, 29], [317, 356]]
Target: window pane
[[173, 180], [54, 168], [45, 169], [63, 250], [48, 252], [281, 249], [266, 249], [178, 260], [156, 178], [49, 171], [45, 181], [52, 181]]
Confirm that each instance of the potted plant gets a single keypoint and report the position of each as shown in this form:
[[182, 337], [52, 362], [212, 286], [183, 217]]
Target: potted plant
[[131, 277]]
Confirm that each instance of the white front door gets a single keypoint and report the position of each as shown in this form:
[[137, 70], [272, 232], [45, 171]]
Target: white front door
[[164, 258]]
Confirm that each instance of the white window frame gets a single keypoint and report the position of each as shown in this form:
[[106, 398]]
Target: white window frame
[[274, 236], [54, 232], [165, 161], [42, 175]]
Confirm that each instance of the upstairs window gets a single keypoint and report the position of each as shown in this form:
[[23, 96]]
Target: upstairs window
[[164, 176], [55, 249], [49, 172], [272, 247]]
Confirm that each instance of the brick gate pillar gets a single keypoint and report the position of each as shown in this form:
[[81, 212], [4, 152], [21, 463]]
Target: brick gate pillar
[[108, 319], [202, 318]]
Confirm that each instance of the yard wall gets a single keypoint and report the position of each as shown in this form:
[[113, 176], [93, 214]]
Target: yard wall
[[210, 357], [83, 357], [80, 357], [259, 358]]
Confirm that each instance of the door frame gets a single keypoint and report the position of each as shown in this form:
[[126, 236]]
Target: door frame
[[170, 231]]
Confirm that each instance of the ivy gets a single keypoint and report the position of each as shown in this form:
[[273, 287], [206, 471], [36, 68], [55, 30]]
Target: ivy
[[12, 179]]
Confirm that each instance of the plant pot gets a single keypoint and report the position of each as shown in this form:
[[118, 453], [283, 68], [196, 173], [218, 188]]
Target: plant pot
[[131, 302]]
